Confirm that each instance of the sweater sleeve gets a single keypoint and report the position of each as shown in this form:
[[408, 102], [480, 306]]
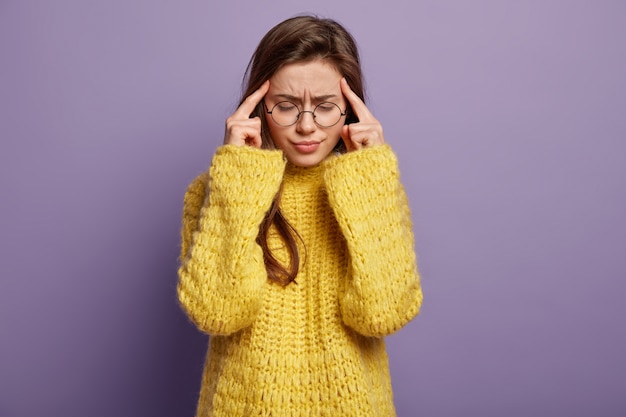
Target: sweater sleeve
[[382, 291], [222, 274]]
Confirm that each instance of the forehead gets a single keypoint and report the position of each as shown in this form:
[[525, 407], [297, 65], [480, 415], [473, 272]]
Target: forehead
[[315, 78]]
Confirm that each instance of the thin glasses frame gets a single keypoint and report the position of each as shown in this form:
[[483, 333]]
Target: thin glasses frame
[[270, 112]]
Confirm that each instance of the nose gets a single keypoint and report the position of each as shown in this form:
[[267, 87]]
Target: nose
[[306, 122]]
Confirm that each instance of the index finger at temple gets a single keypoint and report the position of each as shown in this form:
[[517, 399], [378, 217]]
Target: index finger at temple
[[358, 106], [247, 106]]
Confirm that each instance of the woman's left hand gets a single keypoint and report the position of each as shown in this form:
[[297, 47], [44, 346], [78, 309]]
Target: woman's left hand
[[367, 131]]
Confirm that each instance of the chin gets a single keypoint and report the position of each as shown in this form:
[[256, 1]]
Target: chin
[[306, 161]]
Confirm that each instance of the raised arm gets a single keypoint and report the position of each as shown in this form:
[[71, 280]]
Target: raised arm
[[382, 291], [222, 274]]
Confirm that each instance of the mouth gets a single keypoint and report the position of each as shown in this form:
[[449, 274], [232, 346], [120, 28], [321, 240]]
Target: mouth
[[306, 146]]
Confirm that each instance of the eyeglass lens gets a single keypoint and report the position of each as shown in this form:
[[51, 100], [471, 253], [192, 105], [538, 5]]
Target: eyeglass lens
[[286, 113]]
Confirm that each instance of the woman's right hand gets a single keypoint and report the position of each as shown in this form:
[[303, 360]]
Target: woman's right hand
[[241, 129]]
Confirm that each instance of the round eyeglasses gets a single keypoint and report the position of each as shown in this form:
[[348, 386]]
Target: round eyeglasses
[[285, 113]]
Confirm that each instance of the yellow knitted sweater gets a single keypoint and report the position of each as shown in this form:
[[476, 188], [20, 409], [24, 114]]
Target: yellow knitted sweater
[[315, 347]]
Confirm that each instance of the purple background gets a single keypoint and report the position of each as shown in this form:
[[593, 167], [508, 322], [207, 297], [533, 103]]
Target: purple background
[[509, 119]]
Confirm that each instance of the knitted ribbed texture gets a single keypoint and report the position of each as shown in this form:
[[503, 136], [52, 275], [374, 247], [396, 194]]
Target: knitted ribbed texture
[[313, 348]]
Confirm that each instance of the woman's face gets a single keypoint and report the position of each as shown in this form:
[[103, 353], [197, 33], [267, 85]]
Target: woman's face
[[306, 85]]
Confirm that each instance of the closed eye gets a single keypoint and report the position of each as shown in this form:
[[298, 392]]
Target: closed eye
[[326, 107]]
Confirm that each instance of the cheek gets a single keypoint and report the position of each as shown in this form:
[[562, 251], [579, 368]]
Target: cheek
[[277, 133], [335, 132]]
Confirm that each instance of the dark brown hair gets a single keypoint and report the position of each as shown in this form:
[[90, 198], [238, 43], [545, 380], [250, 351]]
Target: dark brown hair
[[298, 39]]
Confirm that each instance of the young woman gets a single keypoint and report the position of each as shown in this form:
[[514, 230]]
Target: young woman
[[297, 245]]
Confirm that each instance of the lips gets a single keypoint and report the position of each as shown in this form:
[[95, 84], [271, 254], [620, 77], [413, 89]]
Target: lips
[[306, 146]]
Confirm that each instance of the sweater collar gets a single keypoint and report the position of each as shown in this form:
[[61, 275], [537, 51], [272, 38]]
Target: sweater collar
[[304, 174]]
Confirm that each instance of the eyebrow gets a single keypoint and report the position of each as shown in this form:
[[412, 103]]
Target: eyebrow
[[299, 100]]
